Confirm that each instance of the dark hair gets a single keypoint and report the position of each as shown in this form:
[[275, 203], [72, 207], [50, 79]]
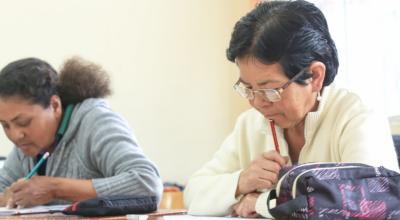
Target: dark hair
[[35, 80], [291, 33]]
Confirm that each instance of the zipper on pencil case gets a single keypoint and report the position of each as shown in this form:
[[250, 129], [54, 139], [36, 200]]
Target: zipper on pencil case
[[278, 185], [294, 185]]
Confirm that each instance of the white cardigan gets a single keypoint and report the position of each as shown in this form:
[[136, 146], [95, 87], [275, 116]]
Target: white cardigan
[[341, 130]]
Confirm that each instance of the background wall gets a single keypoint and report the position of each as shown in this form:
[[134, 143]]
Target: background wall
[[169, 74], [167, 62], [367, 35]]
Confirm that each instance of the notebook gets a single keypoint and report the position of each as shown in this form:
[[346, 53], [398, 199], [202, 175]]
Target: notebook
[[33, 210]]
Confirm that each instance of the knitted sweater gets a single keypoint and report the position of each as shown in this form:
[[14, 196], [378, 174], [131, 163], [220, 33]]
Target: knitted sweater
[[98, 145], [341, 130]]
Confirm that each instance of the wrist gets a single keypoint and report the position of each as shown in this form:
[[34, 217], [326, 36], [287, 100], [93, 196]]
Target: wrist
[[56, 187]]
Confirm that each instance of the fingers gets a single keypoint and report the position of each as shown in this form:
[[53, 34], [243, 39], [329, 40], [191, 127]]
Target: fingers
[[246, 206], [11, 204], [264, 177], [252, 184], [268, 165], [286, 159], [19, 191], [8, 197], [17, 201], [252, 215], [267, 169], [262, 173], [276, 157], [234, 213], [4, 197], [18, 186]]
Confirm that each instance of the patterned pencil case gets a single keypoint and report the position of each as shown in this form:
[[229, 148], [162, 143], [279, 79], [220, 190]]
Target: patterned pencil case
[[336, 191]]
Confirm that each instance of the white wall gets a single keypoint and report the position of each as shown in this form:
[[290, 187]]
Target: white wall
[[170, 77], [367, 36]]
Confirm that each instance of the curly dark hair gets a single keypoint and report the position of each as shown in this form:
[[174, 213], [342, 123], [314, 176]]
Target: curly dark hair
[[80, 79], [35, 80], [291, 33]]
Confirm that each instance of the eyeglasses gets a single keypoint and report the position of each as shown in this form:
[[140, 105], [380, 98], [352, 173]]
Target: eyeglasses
[[272, 95]]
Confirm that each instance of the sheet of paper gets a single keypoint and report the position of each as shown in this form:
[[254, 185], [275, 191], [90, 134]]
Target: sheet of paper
[[158, 213], [190, 217], [32, 210]]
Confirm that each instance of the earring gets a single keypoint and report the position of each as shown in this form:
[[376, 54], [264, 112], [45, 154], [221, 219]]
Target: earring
[[319, 96]]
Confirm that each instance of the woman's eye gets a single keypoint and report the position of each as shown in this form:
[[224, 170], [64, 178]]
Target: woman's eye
[[24, 123]]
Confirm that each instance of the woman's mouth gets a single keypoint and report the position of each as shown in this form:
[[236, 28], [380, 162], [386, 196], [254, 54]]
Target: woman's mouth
[[269, 116], [24, 146]]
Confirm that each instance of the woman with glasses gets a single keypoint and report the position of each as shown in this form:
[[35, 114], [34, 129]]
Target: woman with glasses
[[287, 62]]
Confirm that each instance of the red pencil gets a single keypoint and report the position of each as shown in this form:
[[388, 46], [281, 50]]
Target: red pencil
[[272, 123]]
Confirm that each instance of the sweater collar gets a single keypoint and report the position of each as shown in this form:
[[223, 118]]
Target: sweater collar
[[81, 110]]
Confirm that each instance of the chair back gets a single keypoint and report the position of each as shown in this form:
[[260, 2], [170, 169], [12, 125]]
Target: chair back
[[172, 198], [396, 140]]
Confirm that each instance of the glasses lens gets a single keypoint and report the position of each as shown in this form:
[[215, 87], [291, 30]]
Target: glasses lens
[[243, 91], [272, 95]]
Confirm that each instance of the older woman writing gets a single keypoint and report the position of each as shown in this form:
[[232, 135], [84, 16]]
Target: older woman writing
[[287, 62]]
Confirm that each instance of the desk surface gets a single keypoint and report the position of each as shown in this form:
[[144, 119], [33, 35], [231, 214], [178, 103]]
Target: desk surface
[[60, 216], [151, 216], [166, 217]]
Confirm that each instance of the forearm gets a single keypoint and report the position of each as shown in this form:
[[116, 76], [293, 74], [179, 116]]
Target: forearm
[[219, 189], [73, 189]]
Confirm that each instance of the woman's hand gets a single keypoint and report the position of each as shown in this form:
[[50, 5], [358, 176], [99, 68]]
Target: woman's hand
[[41, 190], [38, 190], [262, 173], [4, 197], [246, 207]]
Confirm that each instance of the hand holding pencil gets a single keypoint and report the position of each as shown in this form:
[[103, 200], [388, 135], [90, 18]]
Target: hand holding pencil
[[30, 190], [38, 190], [262, 173]]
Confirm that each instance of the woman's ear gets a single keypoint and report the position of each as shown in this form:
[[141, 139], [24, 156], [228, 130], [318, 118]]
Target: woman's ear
[[56, 106], [317, 69]]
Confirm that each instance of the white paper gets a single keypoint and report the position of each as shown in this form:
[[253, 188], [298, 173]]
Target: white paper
[[190, 217], [32, 210]]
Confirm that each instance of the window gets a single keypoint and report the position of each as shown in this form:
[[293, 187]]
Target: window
[[367, 35]]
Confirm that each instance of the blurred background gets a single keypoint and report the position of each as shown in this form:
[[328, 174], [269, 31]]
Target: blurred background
[[169, 74]]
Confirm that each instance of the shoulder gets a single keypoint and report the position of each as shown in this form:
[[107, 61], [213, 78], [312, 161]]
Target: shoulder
[[341, 102], [94, 116], [92, 106], [94, 110], [345, 110]]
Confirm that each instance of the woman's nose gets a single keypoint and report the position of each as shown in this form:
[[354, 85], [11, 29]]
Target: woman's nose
[[16, 134]]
